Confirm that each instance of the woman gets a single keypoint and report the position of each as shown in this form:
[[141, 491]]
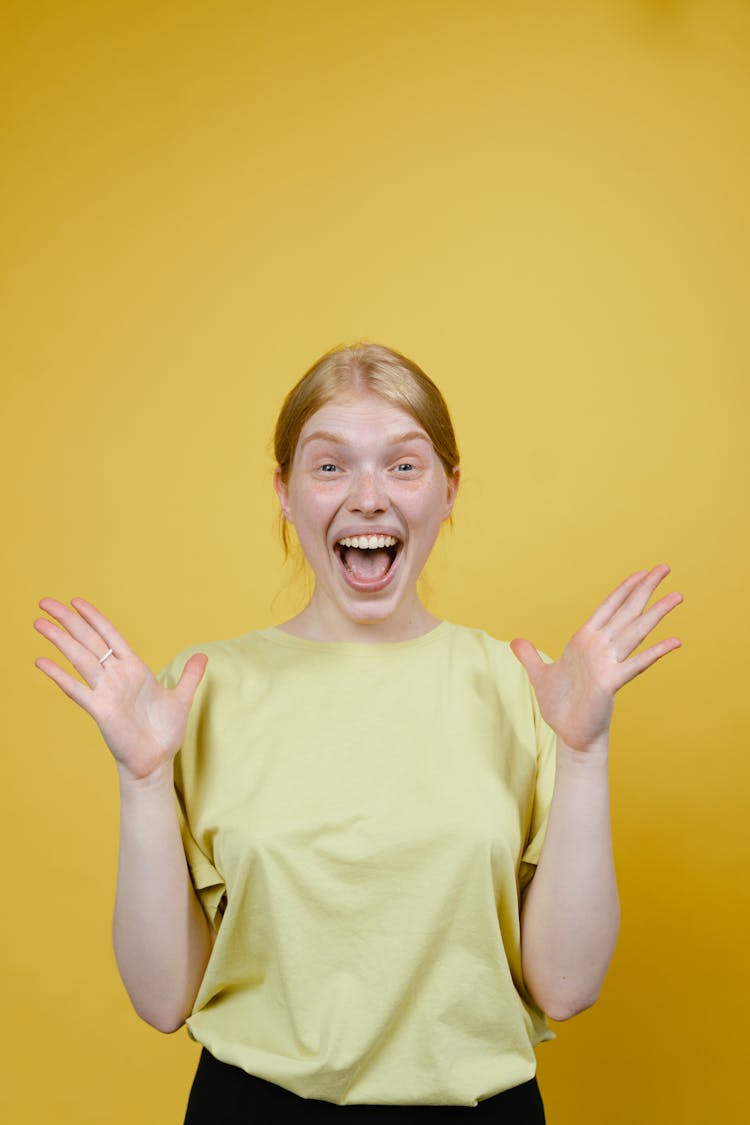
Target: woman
[[396, 829]]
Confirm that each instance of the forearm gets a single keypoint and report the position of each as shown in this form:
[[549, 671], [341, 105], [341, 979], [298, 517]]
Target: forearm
[[161, 938], [570, 916]]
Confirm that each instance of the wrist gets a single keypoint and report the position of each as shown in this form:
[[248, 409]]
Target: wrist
[[159, 780], [592, 756]]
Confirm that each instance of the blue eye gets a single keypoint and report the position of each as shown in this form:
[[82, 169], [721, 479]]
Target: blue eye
[[328, 468], [405, 465]]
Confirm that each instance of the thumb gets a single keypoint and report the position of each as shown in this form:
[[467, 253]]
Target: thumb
[[192, 674], [525, 652]]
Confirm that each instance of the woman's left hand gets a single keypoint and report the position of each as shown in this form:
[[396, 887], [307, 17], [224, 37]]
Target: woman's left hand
[[576, 693]]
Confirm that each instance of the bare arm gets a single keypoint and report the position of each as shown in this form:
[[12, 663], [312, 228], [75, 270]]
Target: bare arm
[[161, 937], [570, 914]]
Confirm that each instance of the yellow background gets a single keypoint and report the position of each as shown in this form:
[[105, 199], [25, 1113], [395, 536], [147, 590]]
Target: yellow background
[[546, 205]]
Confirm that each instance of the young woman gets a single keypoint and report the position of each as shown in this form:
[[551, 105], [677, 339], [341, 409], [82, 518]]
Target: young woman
[[364, 852]]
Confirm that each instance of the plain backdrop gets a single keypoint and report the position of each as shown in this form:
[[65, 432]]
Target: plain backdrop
[[546, 206]]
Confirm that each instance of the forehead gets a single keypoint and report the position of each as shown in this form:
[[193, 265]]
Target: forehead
[[352, 415]]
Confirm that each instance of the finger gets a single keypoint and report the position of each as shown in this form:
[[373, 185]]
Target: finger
[[648, 621], [75, 624], [639, 597], [103, 626], [611, 604], [67, 683], [82, 658], [526, 653], [192, 674], [641, 661]]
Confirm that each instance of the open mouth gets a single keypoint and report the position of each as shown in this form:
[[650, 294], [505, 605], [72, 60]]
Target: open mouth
[[368, 561]]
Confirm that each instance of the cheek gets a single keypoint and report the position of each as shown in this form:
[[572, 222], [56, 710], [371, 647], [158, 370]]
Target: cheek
[[429, 509], [311, 508]]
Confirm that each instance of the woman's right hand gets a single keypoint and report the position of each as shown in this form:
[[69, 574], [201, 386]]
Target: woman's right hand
[[142, 722]]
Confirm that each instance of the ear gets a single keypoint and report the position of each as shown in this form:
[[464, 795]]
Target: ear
[[452, 483], [283, 494]]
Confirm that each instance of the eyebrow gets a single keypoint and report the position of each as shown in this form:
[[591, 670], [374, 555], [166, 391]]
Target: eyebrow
[[339, 439]]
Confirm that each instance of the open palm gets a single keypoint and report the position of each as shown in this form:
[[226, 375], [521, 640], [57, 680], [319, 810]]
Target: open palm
[[142, 722], [576, 693]]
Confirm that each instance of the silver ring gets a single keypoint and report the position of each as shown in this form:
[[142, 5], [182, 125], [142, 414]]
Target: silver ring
[[106, 656]]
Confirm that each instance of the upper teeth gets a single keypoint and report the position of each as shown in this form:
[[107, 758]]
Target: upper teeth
[[369, 542]]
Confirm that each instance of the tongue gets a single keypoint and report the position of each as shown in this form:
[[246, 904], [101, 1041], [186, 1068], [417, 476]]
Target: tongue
[[366, 565]]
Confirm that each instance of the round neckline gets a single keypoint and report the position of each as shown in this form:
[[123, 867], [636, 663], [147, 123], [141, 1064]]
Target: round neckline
[[280, 637]]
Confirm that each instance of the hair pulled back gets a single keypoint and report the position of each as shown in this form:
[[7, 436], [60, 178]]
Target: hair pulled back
[[364, 367], [368, 367]]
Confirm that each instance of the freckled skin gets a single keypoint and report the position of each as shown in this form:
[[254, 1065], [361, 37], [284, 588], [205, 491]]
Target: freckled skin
[[365, 480]]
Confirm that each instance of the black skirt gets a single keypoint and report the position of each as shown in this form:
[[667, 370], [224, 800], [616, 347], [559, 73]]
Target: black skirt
[[223, 1094]]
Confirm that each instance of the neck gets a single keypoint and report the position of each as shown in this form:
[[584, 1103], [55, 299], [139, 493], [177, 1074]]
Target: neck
[[314, 623]]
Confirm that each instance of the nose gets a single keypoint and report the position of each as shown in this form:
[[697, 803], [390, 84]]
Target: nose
[[367, 494]]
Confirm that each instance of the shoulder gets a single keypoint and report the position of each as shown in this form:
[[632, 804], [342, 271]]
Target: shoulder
[[478, 640], [227, 659], [476, 651], [481, 655], [476, 644]]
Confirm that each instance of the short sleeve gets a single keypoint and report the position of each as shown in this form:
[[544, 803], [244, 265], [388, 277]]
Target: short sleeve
[[546, 750], [206, 879]]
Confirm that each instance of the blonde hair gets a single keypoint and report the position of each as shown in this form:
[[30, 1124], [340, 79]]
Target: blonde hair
[[369, 367]]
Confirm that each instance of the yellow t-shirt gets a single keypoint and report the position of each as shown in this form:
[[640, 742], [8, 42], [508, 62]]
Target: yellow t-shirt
[[359, 821]]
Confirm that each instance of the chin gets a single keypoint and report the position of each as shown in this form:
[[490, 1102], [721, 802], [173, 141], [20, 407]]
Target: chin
[[370, 615], [373, 610]]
